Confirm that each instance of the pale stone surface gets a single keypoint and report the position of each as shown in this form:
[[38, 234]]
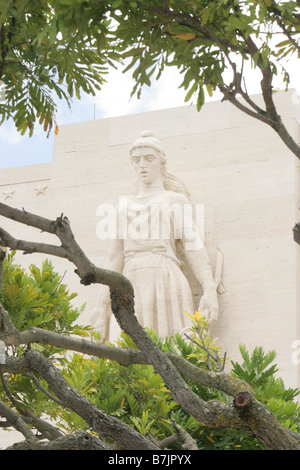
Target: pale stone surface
[[234, 165]]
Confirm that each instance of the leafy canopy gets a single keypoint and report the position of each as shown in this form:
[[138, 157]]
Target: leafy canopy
[[50, 50], [37, 298], [205, 39], [57, 49]]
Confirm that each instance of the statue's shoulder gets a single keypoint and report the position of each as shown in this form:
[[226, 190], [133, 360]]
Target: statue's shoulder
[[177, 198]]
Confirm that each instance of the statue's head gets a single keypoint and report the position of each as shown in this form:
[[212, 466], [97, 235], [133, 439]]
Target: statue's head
[[148, 140], [154, 147]]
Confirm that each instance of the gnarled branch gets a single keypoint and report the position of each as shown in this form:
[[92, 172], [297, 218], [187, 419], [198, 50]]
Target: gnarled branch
[[256, 419]]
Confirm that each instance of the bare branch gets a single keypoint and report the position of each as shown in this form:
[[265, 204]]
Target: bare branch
[[6, 325], [69, 249], [79, 441], [16, 421], [296, 233], [188, 442], [168, 441], [258, 421], [42, 388], [46, 430], [2, 257], [106, 426], [45, 225], [125, 357], [31, 247]]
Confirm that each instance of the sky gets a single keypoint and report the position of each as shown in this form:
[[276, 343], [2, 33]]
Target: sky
[[112, 100]]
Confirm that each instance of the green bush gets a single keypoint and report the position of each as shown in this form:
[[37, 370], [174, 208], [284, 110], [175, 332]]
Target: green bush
[[135, 394]]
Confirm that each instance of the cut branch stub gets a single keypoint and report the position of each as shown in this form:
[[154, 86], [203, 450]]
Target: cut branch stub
[[242, 401], [88, 278], [296, 231]]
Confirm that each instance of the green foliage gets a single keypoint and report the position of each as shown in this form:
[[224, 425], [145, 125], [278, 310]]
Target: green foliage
[[135, 394], [253, 368], [53, 50], [268, 388], [207, 352], [50, 50], [204, 38], [36, 299]]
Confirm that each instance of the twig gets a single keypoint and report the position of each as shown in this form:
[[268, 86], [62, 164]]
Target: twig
[[168, 441], [42, 388], [2, 257], [210, 355], [16, 421], [188, 443]]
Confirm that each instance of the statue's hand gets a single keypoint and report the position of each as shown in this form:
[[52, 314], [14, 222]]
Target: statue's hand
[[209, 305]]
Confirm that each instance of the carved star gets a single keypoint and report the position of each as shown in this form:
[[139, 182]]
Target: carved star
[[41, 190], [8, 194]]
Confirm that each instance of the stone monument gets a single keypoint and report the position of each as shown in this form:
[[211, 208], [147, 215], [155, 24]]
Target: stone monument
[[248, 182], [152, 233]]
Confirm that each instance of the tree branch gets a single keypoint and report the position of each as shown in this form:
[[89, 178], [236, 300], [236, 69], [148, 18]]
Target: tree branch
[[79, 441], [46, 430], [42, 388], [26, 218], [69, 249], [125, 357], [106, 426], [13, 419], [31, 247], [2, 257], [212, 413], [188, 442], [257, 420], [288, 35]]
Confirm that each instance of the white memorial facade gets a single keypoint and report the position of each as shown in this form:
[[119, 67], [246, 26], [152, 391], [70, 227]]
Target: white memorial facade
[[235, 168]]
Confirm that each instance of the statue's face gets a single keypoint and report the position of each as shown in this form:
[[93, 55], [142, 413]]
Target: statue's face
[[147, 164]]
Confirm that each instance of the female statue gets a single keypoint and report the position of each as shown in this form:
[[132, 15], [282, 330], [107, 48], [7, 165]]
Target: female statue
[[155, 224]]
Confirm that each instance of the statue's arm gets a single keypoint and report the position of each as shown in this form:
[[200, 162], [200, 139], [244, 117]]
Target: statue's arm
[[197, 258], [200, 265]]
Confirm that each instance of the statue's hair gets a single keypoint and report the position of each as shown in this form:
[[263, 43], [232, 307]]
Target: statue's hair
[[171, 181]]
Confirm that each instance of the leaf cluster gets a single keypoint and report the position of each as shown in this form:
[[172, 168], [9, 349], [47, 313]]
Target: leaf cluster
[[269, 389], [48, 51], [135, 394], [53, 50], [204, 39], [38, 298]]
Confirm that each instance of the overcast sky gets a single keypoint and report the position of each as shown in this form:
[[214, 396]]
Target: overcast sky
[[113, 100]]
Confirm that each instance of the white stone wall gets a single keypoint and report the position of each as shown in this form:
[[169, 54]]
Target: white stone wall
[[233, 164]]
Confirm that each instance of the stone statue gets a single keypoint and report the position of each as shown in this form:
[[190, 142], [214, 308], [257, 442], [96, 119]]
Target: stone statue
[[155, 224]]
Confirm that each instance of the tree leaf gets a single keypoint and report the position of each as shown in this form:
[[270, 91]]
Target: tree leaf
[[186, 36]]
